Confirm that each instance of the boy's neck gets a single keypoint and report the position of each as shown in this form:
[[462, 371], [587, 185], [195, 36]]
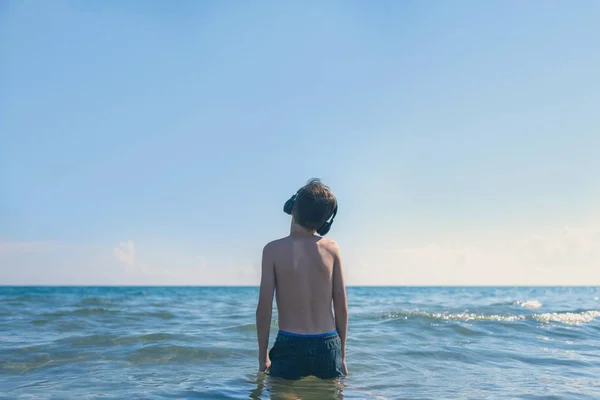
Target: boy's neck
[[298, 230]]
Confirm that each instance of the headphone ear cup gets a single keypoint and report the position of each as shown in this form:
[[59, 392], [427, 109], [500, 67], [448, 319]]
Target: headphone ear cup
[[324, 230], [289, 205]]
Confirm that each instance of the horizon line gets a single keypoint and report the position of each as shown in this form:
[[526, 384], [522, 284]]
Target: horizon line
[[257, 286]]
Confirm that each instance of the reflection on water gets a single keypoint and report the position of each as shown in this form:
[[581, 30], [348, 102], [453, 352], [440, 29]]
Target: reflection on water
[[309, 388]]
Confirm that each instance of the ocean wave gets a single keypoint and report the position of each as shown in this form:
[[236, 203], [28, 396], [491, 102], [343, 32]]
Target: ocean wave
[[87, 340], [93, 311], [529, 304], [95, 301], [453, 316], [568, 318], [20, 299], [241, 328], [15, 362], [175, 353], [81, 312], [520, 303], [34, 362], [152, 338], [155, 314], [109, 340]]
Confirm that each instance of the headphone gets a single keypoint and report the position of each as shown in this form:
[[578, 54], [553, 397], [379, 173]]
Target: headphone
[[324, 229]]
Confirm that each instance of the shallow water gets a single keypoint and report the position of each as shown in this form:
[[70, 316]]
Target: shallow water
[[404, 343]]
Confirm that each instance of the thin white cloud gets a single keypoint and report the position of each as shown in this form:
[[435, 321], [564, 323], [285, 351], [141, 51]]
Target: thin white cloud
[[126, 254]]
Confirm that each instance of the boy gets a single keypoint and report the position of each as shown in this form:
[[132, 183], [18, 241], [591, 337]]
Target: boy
[[305, 272]]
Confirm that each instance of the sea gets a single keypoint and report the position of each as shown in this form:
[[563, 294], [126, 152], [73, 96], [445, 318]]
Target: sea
[[200, 343]]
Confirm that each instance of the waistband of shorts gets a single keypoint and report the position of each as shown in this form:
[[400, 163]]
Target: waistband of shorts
[[318, 335]]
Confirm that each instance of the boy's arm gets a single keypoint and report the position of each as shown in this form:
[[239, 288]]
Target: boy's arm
[[265, 308], [340, 303]]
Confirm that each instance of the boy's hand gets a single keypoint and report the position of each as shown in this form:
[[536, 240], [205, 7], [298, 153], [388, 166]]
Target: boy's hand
[[344, 367], [264, 366]]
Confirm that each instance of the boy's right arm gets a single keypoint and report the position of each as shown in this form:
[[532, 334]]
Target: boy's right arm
[[340, 303], [265, 308]]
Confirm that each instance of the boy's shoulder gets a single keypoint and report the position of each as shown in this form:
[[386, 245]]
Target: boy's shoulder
[[274, 245], [329, 244], [332, 247]]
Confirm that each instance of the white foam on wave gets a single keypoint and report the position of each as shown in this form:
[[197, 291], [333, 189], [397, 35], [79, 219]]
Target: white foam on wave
[[478, 317], [464, 316], [530, 304], [569, 318]]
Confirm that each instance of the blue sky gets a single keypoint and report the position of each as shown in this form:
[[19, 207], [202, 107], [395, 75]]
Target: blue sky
[[154, 142]]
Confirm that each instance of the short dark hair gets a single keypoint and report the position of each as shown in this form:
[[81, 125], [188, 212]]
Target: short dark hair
[[314, 205]]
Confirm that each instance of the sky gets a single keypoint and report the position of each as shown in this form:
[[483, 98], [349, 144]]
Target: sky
[[155, 142]]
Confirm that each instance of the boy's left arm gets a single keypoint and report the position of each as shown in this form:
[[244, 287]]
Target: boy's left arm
[[265, 308]]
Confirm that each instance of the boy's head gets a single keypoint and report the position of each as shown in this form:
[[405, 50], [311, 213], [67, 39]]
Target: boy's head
[[312, 206]]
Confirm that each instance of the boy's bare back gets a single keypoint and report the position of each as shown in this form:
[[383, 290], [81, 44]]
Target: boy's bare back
[[306, 268]]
